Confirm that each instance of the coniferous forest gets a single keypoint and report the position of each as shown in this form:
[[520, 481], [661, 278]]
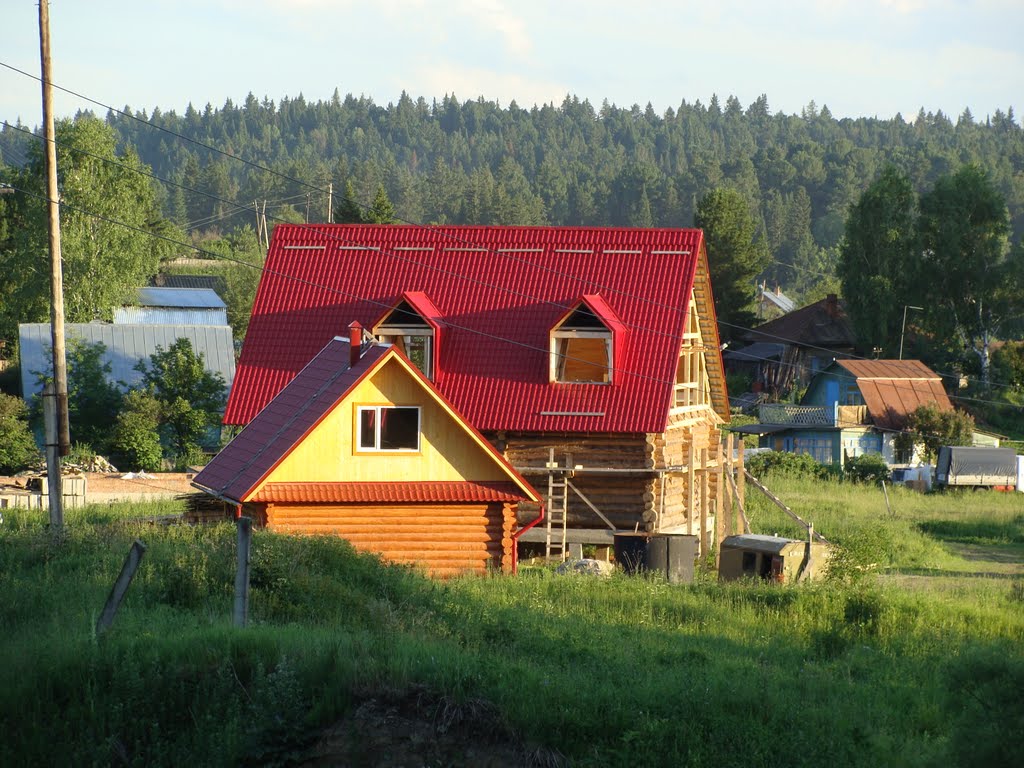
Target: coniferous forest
[[477, 162]]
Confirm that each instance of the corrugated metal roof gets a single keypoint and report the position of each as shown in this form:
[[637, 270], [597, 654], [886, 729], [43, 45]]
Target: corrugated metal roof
[[498, 290], [126, 346], [779, 299], [213, 282], [169, 316], [180, 298], [389, 492], [248, 459], [893, 389]]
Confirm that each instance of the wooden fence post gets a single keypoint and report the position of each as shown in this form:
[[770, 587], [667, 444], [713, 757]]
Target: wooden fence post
[[117, 593], [242, 574]]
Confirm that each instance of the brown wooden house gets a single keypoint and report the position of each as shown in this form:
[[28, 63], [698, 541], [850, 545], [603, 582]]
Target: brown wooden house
[[361, 445], [588, 357]]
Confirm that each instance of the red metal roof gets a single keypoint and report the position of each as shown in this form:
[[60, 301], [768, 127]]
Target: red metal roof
[[390, 492], [498, 291], [893, 389]]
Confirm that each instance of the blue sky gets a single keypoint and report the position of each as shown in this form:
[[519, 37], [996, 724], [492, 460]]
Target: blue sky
[[860, 57]]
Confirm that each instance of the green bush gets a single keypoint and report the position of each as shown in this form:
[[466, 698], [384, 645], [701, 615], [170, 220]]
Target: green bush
[[17, 447], [136, 441], [867, 468], [780, 462]]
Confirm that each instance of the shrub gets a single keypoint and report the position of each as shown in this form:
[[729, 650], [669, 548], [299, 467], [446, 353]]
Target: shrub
[[867, 468], [136, 442], [800, 464], [17, 447]]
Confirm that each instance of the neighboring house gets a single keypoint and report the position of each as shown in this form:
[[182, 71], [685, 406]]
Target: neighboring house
[[215, 283], [812, 337], [589, 357], [125, 347], [772, 304], [174, 306], [851, 408], [360, 444]]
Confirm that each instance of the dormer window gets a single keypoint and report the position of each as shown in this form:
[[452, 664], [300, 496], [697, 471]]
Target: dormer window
[[583, 344], [411, 327]]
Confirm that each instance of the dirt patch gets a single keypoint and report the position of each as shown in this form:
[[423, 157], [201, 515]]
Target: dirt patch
[[1008, 558], [982, 562], [416, 728]]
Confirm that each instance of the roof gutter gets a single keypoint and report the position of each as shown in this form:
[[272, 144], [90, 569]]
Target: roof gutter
[[520, 532]]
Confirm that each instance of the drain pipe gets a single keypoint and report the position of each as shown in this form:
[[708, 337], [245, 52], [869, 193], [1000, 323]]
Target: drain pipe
[[515, 539]]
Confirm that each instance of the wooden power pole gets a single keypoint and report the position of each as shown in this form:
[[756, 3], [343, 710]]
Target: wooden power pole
[[60, 373]]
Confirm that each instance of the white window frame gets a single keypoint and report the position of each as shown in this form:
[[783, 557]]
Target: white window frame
[[377, 409]]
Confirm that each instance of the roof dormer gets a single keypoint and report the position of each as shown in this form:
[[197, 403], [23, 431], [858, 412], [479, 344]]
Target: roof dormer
[[413, 326], [586, 343]]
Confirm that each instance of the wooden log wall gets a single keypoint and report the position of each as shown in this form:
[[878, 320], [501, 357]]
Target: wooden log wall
[[646, 501], [627, 500], [446, 540], [682, 446]]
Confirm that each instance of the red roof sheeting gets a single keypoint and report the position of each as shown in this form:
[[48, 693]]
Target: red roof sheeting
[[390, 492], [498, 292]]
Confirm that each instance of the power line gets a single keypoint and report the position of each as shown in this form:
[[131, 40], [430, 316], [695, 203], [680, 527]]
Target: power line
[[491, 336], [427, 227]]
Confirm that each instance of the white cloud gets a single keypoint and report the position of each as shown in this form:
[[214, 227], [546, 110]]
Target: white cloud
[[495, 16], [469, 83]]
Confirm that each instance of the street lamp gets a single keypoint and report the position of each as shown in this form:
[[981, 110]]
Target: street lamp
[[904, 328]]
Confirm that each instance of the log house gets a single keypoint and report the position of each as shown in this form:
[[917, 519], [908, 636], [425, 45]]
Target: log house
[[588, 357]]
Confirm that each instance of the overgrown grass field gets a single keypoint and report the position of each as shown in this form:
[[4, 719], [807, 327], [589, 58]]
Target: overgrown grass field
[[860, 670]]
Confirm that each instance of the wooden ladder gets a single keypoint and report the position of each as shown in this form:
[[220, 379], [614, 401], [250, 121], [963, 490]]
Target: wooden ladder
[[558, 511]]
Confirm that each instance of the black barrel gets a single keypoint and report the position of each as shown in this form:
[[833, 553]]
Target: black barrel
[[670, 555]]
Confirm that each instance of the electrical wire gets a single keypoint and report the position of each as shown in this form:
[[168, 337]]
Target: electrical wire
[[493, 337], [241, 208], [424, 226]]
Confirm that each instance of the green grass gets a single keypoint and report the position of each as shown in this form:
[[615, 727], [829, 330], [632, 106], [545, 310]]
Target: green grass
[[619, 671]]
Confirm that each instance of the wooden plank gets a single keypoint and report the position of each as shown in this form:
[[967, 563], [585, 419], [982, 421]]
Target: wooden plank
[[690, 494], [705, 540]]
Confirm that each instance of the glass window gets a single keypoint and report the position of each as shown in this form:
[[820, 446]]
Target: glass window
[[388, 428]]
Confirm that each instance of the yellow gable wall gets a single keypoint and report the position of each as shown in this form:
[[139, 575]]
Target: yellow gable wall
[[447, 451]]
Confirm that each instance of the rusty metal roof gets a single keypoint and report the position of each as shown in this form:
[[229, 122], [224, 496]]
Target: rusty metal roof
[[498, 292], [893, 389]]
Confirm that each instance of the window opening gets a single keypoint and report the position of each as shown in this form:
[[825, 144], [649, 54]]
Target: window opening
[[581, 349], [388, 428], [411, 335]]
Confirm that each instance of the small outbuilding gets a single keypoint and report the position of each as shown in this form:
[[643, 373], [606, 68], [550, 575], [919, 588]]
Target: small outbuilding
[[360, 444], [772, 558]]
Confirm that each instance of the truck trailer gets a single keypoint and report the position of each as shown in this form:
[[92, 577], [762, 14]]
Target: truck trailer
[[961, 466]]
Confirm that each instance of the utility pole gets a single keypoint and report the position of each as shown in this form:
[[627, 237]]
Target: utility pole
[[60, 373]]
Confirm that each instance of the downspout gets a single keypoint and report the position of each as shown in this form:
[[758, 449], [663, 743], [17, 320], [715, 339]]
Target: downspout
[[515, 539]]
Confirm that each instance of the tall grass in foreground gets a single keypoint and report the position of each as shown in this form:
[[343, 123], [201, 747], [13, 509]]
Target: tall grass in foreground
[[613, 671]]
